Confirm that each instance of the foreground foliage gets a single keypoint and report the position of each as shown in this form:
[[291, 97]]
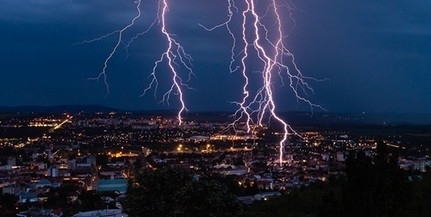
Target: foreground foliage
[[172, 192]]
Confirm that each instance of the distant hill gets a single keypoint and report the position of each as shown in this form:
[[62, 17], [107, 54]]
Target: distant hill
[[57, 109], [331, 118], [295, 118]]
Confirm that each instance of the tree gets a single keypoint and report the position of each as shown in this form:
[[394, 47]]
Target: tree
[[207, 198], [90, 200], [375, 187], [302, 202], [173, 192], [7, 204], [102, 160]]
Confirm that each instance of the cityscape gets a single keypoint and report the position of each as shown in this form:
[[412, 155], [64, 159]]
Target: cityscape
[[50, 163]]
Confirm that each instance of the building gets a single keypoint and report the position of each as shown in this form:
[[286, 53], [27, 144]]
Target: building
[[102, 213], [119, 185]]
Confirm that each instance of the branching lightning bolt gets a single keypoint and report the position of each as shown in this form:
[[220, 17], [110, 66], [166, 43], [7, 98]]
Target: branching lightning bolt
[[174, 56], [266, 43], [102, 74], [174, 53]]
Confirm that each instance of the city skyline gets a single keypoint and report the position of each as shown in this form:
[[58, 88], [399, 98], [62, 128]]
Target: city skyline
[[374, 55]]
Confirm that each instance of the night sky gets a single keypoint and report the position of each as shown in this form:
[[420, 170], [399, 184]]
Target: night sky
[[375, 54]]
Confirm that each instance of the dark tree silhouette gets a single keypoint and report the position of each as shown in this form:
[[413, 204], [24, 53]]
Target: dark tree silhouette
[[374, 187], [172, 192], [7, 204]]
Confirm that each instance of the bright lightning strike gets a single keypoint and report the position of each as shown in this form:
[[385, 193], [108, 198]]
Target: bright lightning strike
[[262, 38], [174, 56], [174, 53]]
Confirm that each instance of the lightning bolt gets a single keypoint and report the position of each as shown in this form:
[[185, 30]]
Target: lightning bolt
[[174, 52], [175, 56], [119, 32], [262, 37]]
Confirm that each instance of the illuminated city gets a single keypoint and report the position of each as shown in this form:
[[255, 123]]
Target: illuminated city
[[87, 150]]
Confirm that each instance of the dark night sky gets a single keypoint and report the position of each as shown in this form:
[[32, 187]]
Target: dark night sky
[[376, 54]]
